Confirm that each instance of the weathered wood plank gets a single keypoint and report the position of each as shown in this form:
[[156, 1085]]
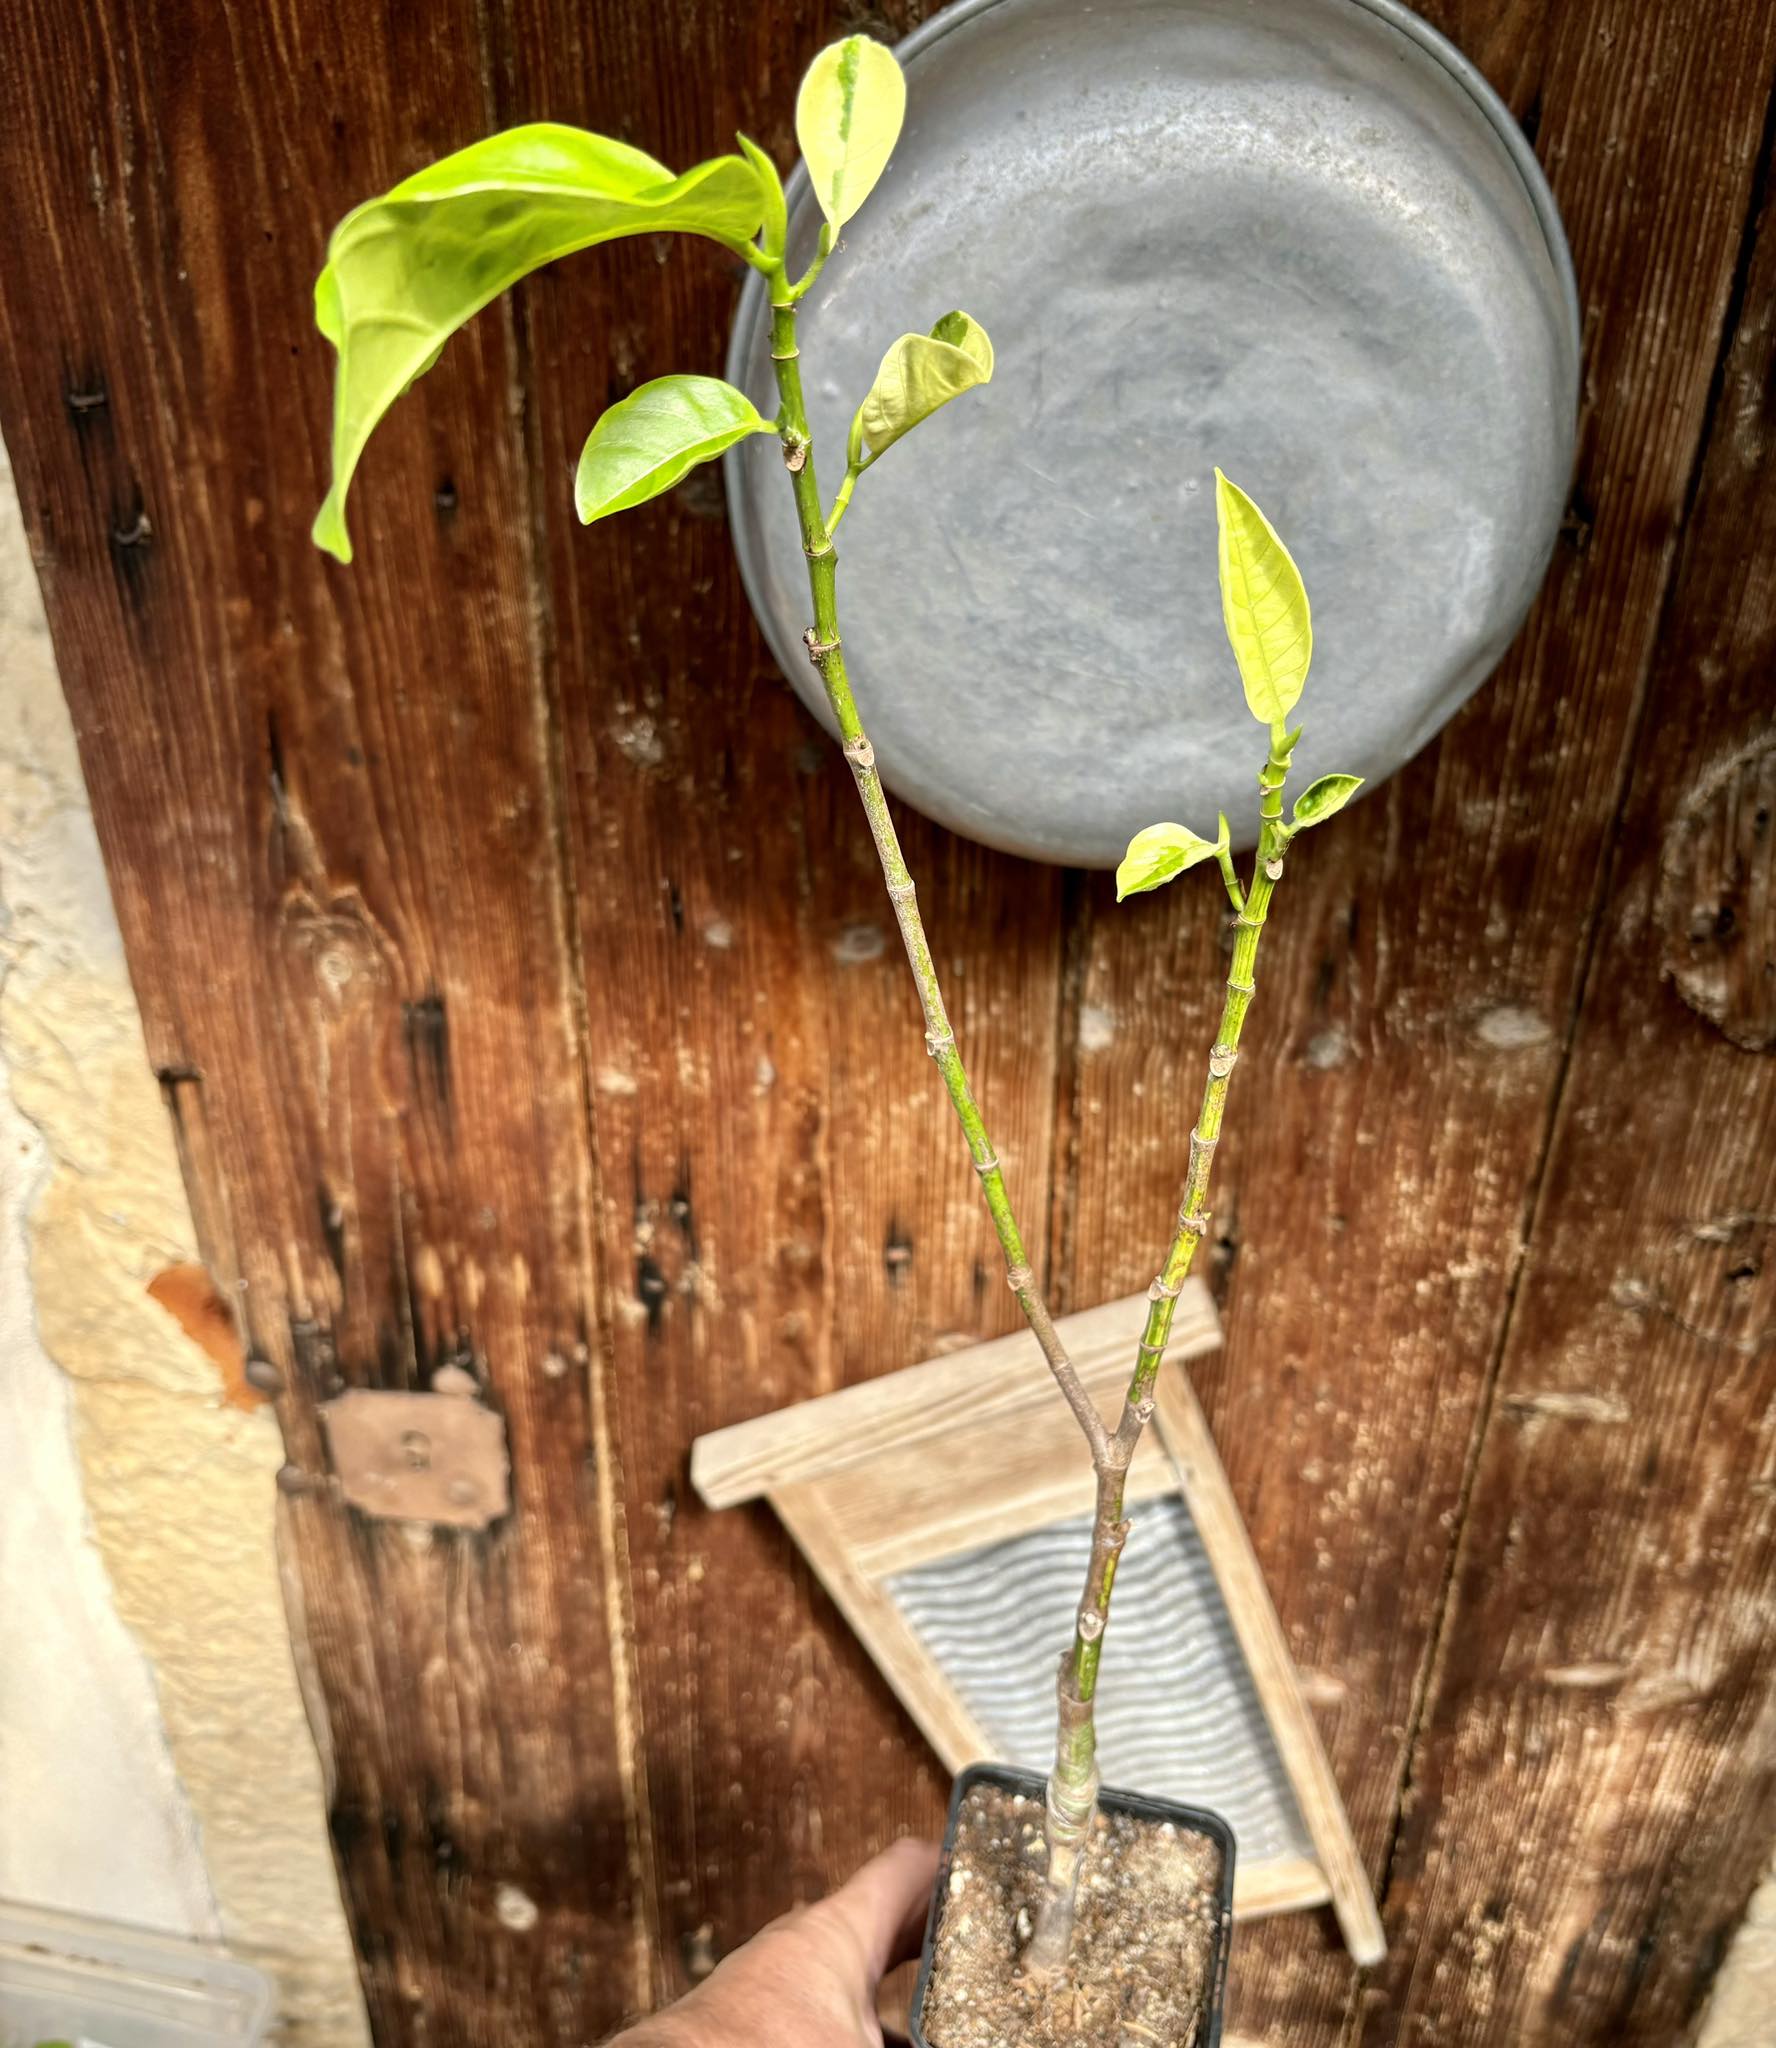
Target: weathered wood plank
[[357, 849], [1184, 1430], [1594, 1787], [1423, 969], [787, 1207], [937, 1408], [325, 805]]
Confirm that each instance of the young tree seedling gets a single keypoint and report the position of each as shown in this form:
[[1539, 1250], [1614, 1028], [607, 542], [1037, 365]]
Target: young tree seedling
[[405, 271]]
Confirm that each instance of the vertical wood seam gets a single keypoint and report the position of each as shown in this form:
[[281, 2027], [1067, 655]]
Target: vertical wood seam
[[1063, 1161], [1431, 1666], [498, 70]]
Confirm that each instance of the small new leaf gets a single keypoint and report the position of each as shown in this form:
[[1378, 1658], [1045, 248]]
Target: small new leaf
[[1160, 852], [774, 229], [1263, 605], [848, 115], [1319, 800], [405, 271], [919, 373], [648, 440]]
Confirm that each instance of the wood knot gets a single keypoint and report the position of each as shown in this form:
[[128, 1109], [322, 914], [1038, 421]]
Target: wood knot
[[338, 944], [1717, 898], [1714, 1278]]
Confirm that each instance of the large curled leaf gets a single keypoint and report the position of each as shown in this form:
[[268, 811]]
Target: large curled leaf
[[406, 270], [1263, 604], [919, 373], [1320, 799], [648, 440], [848, 115], [1159, 852]]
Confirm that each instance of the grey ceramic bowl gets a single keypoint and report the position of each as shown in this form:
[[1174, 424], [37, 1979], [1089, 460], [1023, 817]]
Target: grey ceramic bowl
[[1299, 238]]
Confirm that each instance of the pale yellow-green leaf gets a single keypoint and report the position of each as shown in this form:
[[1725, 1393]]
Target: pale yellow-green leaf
[[1263, 605], [1320, 799], [774, 228], [848, 115], [919, 373], [647, 441], [1159, 852], [405, 271]]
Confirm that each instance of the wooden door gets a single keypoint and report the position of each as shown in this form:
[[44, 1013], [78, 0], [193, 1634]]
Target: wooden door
[[515, 967]]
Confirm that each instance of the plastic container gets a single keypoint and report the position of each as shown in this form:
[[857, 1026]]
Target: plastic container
[[1032, 1785], [95, 1984]]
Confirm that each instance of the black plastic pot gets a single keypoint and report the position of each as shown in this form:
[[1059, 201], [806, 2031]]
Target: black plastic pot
[[1032, 1785]]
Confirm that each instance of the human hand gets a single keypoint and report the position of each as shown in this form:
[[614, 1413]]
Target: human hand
[[809, 1980]]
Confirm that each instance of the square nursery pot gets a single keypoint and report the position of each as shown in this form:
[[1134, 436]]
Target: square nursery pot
[[1204, 2031]]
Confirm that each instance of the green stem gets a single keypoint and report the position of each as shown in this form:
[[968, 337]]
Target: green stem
[[843, 499], [801, 287], [826, 651], [1073, 1784], [1235, 894]]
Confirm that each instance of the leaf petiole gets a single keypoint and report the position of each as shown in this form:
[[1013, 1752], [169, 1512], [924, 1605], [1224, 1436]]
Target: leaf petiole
[[852, 473], [822, 251], [1229, 874], [774, 228]]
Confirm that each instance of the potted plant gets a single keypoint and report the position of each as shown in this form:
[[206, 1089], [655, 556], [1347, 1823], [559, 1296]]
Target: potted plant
[[1063, 1912]]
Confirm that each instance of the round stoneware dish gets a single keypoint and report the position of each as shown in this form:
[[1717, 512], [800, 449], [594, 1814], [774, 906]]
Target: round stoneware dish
[[1302, 239]]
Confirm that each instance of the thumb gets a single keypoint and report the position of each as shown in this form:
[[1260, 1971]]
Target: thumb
[[883, 1907]]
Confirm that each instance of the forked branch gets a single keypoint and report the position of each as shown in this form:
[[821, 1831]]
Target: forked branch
[[826, 650]]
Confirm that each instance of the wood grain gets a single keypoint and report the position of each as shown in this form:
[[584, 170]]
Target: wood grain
[[786, 1205], [516, 969], [1593, 1791], [1184, 1431], [1417, 991], [326, 812], [995, 1387], [872, 1612]]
